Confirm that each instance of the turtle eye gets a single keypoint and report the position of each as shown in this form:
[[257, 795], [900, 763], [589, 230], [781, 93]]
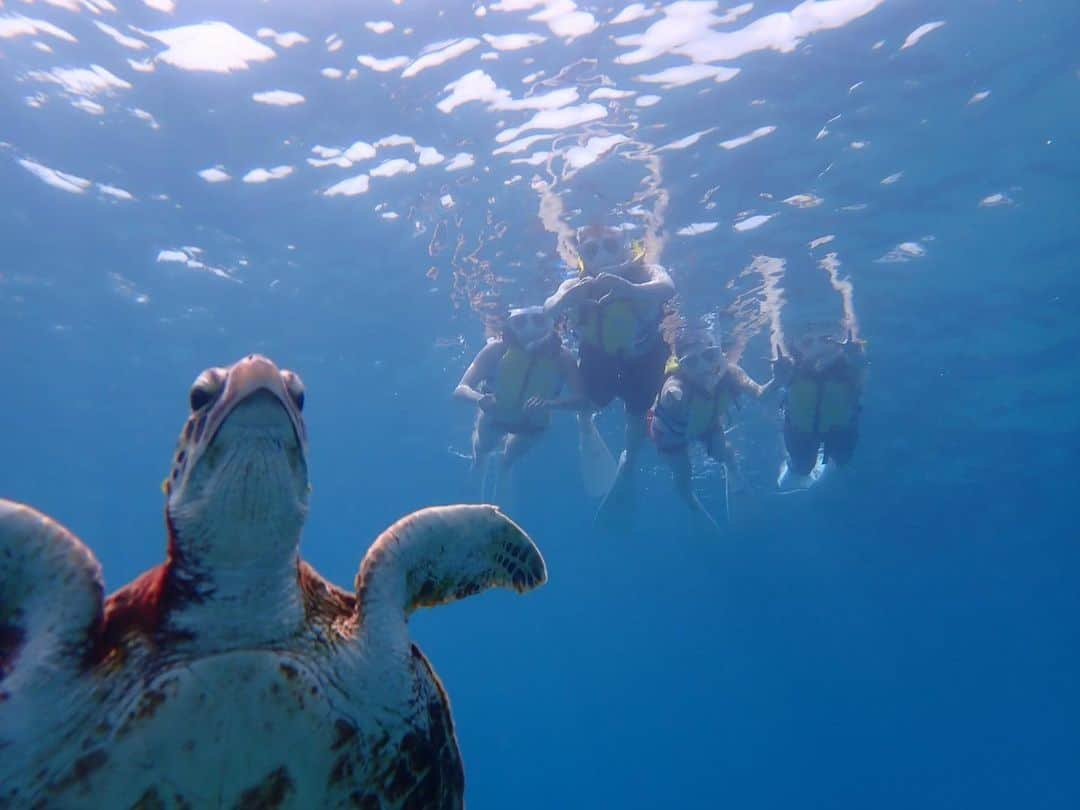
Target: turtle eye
[[295, 386], [206, 388]]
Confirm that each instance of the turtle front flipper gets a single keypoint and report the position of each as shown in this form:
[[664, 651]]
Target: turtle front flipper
[[396, 745], [50, 612], [438, 555]]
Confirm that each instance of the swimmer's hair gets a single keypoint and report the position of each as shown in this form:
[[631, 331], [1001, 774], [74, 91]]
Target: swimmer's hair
[[691, 336], [494, 321]]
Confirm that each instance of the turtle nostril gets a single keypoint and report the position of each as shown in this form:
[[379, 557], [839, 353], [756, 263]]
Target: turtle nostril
[[200, 397], [206, 388], [295, 387]]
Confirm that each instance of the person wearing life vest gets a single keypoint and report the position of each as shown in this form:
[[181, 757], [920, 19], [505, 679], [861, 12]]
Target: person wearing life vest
[[701, 388], [615, 306], [515, 381], [822, 402]]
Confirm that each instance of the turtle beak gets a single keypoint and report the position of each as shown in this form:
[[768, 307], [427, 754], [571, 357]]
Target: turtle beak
[[255, 378]]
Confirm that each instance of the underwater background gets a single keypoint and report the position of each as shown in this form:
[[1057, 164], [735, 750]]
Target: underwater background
[[351, 188]]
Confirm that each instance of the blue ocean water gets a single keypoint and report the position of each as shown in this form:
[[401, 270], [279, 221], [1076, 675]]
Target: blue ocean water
[[904, 635]]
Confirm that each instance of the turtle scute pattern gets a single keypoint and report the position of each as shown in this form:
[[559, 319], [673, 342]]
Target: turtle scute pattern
[[426, 773]]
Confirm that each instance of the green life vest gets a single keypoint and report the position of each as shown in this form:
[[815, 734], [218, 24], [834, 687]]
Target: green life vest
[[703, 409], [818, 404], [522, 375], [700, 411], [611, 326]]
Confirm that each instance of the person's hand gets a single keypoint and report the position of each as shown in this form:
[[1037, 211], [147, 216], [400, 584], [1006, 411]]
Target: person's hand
[[854, 349], [535, 405], [486, 402]]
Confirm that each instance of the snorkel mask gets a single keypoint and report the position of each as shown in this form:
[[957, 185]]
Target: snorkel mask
[[701, 360], [601, 250], [530, 326]]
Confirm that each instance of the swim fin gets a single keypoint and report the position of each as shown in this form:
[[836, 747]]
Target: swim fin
[[616, 511], [788, 481], [598, 466], [727, 493]]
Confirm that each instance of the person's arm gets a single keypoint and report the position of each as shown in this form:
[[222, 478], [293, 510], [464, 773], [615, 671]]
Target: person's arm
[[574, 399], [655, 292], [570, 293], [747, 385], [479, 370]]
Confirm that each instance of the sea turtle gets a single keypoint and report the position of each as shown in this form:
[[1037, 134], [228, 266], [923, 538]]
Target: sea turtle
[[233, 675]]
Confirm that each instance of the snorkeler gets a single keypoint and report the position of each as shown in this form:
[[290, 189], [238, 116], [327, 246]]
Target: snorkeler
[[515, 381], [821, 408], [701, 387], [616, 305]]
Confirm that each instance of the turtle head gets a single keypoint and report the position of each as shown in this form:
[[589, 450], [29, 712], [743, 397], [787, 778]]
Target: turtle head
[[237, 492]]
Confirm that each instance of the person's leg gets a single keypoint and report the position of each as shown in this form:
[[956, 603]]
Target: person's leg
[[599, 375], [681, 473], [720, 449], [618, 507], [486, 437], [517, 445], [640, 380], [597, 464]]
